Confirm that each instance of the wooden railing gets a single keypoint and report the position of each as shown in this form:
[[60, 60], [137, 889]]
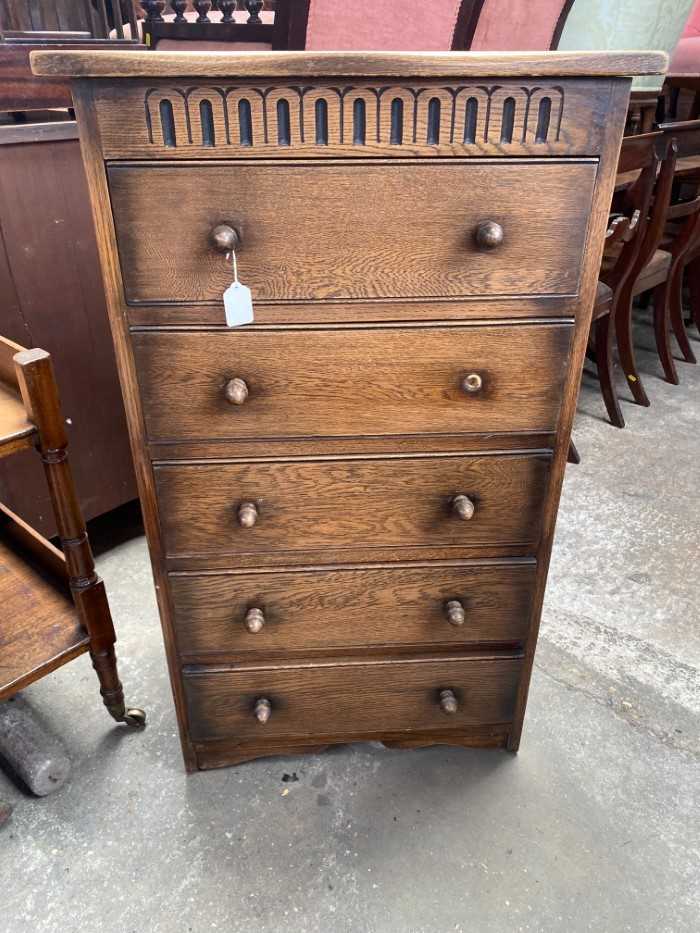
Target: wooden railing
[[279, 24]]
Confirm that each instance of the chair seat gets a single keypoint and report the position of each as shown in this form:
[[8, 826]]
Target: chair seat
[[603, 301], [654, 273]]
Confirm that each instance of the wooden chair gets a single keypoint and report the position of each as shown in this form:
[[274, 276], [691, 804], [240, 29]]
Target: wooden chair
[[217, 24], [682, 238], [54, 604], [649, 267], [624, 241], [384, 25]]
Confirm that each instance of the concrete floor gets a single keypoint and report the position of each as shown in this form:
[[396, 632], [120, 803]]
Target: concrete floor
[[593, 826]]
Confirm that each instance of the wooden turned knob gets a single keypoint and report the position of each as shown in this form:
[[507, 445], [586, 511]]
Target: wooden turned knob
[[224, 239], [454, 612], [489, 235], [236, 391], [472, 383], [254, 620], [463, 507], [247, 514], [262, 710], [448, 702]]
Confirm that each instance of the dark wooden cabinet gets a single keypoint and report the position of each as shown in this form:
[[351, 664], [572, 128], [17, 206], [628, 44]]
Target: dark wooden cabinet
[[351, 501], [51, 295]]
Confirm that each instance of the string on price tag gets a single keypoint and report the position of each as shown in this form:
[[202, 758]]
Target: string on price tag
[[238, 300]]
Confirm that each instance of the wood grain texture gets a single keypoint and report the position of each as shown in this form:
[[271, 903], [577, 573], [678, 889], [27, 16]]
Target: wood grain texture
[[350, 608], [350, 230], [276, 447], [371, 698], [351, 382], [40, 629], [333, 505], [311, 65], [376, 311], [341, 503], [99, 202], [500, 117], [233, 751], [593, 253]]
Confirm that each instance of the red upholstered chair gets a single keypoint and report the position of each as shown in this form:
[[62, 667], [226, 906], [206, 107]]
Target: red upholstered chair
[[686, 56], [514, 25], [386, 26]]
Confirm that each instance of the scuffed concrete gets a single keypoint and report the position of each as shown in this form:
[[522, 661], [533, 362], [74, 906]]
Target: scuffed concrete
[[593, 826]]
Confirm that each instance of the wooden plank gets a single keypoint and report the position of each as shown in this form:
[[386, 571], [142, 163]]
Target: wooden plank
[[305, 64], [39, 628], [391, 503], [384, 696], [391, 229], [16, 430], [516, 374]]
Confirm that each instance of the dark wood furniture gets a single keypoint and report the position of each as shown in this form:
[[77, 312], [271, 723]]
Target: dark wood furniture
[[626, 251], [278, 24], [659, 263], [54, 604], [51, 295], [350, 502], [227, 21], [682, 240], [57, 24]]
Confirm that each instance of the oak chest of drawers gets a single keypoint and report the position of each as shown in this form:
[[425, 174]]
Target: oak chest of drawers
[[350, 502]]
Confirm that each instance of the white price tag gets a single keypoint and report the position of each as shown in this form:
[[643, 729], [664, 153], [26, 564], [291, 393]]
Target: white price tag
[[238, 300], [238, 305]]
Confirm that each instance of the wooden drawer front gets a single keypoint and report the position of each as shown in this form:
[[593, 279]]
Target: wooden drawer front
[[352, 381], [386, 502], [348, 230], [351, 698], [215, 614]]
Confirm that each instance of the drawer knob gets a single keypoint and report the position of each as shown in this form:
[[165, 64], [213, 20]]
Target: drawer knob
[[254, 620], [454, 612], [225, 239], [236, 391], [472, 383], [262, 710], [489, 235], [247, 514], [463, 507], [448, 702]]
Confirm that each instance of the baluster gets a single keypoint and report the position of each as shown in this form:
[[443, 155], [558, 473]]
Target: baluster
[[153, 10], [202, 7], [178, 8], [253, 7], [227, 8]]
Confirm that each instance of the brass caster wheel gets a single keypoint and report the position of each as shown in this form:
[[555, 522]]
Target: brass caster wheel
[[136, 718]]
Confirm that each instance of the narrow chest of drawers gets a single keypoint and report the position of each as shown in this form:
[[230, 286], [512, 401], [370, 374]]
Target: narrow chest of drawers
[[350, 502]]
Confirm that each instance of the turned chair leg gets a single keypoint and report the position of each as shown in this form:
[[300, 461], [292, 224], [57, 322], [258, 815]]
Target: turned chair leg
[[676, 315], [603, 333], [661, 331], [625, 346], [40, 395]]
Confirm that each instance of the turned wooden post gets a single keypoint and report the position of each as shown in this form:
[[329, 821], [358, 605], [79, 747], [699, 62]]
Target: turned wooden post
[[40, 396]]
